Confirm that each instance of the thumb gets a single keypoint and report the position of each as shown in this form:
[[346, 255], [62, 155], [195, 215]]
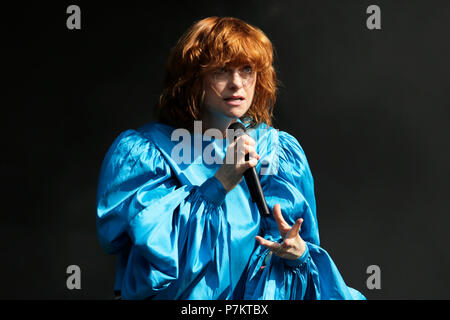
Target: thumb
[[296, 228]]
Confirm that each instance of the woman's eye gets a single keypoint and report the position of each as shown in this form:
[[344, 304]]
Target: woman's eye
[[247, 69], [220, 70]]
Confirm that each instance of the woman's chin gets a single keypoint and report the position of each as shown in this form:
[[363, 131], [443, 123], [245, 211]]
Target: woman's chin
[[230, 112], [236, 112]]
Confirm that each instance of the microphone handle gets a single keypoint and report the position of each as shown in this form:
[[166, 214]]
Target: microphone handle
[[256, 193]]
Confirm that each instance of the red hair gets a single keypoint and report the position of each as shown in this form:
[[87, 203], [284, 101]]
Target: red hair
[[210, 43]]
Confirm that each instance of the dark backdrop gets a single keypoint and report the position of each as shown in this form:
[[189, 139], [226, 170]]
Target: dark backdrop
[[370, 108]]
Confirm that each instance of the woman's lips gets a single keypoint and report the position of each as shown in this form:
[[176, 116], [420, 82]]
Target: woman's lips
[[235, 101]]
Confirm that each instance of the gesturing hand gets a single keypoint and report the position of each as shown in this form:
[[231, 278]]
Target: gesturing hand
[[293, 245]]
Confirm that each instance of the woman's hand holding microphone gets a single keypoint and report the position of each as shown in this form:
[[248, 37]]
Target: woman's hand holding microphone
[[230, 175], [231, 172]]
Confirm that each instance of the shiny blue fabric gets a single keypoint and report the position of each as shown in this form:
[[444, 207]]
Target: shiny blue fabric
[[178, 235]]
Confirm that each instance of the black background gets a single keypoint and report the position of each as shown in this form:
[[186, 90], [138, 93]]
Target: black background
[[370, 108]]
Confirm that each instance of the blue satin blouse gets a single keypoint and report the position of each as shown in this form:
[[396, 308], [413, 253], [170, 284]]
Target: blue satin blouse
[[179, 235]]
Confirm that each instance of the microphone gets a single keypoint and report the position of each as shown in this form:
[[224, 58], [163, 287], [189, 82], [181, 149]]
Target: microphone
[[251, 176]]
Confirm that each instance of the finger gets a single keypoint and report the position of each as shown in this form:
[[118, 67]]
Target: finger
[[250, 164], [236, 153], [283, 226], [243, 141], [250, 154], [296, 228], [273, 246], [231, 154], [246, 139], [245, 151], [239, 143], [248, 149], [260, 239]]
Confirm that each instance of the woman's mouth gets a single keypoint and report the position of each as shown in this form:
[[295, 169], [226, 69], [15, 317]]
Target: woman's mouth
[[235, 101]]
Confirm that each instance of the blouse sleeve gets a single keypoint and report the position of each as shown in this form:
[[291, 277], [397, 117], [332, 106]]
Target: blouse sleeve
[[314, 275], [140, 204]]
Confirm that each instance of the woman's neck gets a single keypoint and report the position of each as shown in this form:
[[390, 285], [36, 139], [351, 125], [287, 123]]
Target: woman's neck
[[219, 123]]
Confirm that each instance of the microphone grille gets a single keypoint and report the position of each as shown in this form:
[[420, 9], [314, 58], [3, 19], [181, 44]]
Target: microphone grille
[[236, 126], [237, 129]]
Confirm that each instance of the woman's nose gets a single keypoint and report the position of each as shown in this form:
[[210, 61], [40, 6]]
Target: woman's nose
[[236, 80]]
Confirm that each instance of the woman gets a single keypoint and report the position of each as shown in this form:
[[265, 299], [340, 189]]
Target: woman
[[188, 229]]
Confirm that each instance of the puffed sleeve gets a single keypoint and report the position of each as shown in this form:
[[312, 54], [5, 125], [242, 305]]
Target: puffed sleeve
[[170, 228], [314, 275]]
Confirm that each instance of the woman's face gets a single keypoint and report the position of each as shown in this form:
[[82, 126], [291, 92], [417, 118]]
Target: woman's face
[[229, 92]]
